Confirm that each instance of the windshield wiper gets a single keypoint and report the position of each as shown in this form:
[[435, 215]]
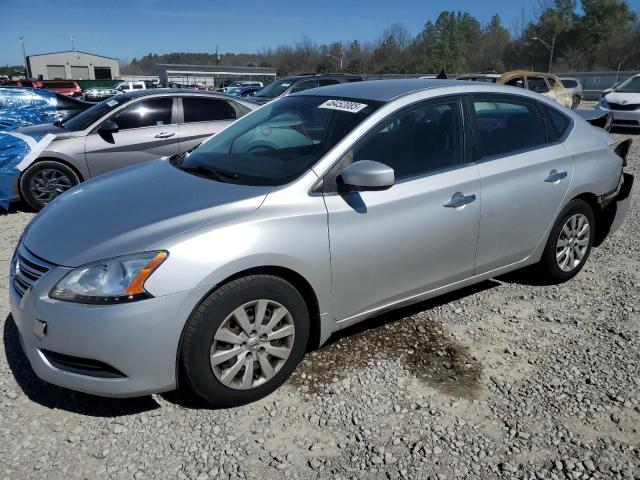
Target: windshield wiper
[[219, 175]]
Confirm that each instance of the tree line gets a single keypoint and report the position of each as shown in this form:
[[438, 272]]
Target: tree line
[[584, 35]]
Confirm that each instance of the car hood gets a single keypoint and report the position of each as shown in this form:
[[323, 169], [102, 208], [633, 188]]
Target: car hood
[[128, 210], [623, 98], [40, 131]]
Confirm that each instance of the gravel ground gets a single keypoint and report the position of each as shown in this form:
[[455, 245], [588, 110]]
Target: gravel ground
[[502, 380]]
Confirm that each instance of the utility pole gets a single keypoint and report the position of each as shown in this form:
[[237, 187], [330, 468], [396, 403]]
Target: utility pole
[[551, 47], [24, 56], [72, 46]]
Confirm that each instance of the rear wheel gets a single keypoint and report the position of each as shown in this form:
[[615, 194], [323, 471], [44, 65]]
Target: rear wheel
[[244, 340], [44, 181], [569, 244]]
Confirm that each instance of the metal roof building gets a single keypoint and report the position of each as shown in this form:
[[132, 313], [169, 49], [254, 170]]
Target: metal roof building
[[72, 65], [212, 75]]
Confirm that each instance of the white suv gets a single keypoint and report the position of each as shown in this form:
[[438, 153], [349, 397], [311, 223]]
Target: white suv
[[130, 86]]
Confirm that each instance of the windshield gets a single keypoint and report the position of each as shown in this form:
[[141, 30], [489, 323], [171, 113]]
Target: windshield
[[631, 85], [89, 116], [278, 142], [569, 83], [275, 89]]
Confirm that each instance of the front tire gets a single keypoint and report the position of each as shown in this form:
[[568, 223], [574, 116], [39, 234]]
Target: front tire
[[45, 180], [569, 244], [244, 340]]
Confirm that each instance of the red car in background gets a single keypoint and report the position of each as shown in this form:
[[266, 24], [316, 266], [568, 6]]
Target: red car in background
[[65, 87]]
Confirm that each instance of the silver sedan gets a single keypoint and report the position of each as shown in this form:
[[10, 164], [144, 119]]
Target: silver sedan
[[221, 267], [124, 130]]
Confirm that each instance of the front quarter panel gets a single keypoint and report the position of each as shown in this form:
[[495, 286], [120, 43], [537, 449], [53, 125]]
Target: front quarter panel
[[289, 231]]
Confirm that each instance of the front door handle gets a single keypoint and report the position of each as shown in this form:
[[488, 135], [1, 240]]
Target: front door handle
[[459, 200], [165, 135], [555, 176]]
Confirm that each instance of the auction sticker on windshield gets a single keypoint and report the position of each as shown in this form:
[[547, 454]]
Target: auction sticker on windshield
[[343, 105]]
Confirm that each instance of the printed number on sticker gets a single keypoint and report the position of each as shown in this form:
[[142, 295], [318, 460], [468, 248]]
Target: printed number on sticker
[[343, 105]]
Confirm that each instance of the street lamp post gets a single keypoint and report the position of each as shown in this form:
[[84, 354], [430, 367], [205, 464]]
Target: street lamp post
[[551, 48], [24, 56], [336, 59]]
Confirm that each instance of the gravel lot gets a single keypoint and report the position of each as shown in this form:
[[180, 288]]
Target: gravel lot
[[502, 380]]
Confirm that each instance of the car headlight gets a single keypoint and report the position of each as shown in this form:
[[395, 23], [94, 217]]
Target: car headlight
[[115, 280], [604, 103]]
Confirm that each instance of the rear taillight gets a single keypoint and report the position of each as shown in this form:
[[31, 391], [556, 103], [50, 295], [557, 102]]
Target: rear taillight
[[622, 150]]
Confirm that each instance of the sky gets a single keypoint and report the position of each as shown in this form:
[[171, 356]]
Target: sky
[[126, 29]]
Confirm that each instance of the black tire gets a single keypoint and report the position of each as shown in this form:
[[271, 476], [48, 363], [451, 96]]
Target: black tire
[[547, 270], [61, 178], [198, 337]]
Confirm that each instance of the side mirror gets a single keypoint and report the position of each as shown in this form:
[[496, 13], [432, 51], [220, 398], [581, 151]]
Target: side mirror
[[368, 175], [108, 127]]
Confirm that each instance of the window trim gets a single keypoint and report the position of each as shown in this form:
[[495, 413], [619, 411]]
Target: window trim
[[474, 97], [319, 187], [290, 89]]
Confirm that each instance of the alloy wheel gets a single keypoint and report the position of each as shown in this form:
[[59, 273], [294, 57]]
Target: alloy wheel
[[252, 344], [48, 184], [573, 242]]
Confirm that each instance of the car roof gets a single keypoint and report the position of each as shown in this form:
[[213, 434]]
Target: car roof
[[382, 90]]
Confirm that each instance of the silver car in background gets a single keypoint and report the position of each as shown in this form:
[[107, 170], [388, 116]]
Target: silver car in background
[[124, 130], [623, 101], [222, 266]]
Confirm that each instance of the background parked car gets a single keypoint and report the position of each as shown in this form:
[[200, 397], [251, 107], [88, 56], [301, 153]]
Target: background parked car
[[623, 102], [575, 88], [241, 84], [545, 84], [298, 83], [124, 130], [485, 77], [65, 87], [99, 93], [22, 107], [130, 86], [243, 91]]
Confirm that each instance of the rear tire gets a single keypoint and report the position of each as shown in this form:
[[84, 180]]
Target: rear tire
[[244, 340], [569, 244], [45, 180], [575, 102]]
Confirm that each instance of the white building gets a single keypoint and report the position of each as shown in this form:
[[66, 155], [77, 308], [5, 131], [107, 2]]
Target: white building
[[72, 65]]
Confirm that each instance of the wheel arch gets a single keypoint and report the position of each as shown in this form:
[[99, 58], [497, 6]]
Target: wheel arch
[[47, 158], [294, 278], [591, 199]]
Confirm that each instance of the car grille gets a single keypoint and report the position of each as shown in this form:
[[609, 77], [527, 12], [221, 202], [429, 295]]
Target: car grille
[[26, 269], [625, 108]]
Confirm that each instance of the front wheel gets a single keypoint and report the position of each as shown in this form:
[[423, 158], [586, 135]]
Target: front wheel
[[569, 244], [44, 181], [244, 340]]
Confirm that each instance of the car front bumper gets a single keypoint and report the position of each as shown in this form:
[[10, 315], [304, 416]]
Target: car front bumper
[[139, 340], [623, 118]]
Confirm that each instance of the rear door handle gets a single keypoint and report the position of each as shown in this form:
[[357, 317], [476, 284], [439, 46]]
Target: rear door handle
[[555, 176], [165, 135], [459, 200]]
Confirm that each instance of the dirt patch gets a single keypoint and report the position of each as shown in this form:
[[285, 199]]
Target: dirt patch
[[423, 347]]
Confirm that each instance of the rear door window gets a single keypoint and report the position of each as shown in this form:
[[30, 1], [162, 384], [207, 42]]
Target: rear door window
[[327, 81], [507, 125], [154, 112], [198, 109]]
